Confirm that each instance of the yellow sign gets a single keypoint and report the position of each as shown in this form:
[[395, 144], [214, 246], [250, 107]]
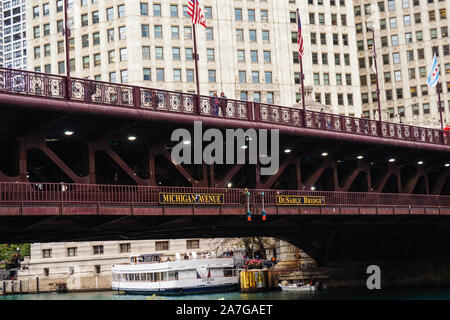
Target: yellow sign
[[283, 200], [191, 198]]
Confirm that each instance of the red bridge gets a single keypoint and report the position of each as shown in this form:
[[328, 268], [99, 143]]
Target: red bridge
[[85, 159]]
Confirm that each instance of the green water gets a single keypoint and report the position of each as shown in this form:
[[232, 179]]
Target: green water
[[332, 294]]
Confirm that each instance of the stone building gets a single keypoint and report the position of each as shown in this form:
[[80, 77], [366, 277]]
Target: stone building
[[13, 43], [405, 33], [249, 49]]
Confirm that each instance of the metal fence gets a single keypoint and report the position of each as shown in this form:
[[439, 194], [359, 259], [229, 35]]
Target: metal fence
[[24, 192]]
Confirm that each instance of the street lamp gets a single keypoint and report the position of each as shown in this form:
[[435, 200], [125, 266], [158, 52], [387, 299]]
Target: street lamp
[[400, 114]]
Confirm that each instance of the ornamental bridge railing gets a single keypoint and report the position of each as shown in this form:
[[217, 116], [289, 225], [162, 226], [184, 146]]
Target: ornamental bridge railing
[[97, 92], [51, 193]]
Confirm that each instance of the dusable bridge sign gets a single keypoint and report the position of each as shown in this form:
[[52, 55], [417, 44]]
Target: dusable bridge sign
[[285, 200]]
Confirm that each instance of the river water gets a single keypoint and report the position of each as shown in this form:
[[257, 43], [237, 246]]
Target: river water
[[331, 294]]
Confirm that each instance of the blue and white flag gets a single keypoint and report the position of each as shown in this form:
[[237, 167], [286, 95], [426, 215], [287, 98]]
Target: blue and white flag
[[433, 77]]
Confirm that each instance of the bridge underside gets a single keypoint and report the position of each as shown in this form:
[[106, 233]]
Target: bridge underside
[[34, 148], [328, 239]]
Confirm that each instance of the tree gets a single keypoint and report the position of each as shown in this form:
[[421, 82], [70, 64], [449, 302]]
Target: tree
[[257, 244], [10, 256]]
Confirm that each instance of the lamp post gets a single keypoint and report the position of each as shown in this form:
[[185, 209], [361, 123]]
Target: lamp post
[[400, 114], [376, 76], [66, 33]]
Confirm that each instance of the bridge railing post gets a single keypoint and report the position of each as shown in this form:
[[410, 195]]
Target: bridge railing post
[[137, 97]]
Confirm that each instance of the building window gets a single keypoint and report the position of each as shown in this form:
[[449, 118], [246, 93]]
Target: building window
[[46, 272], [161, 245], [175, 32], [174, 11], [208, 13], [110, 33], [112, 77], [98, 269], [211, 76], [147, 77], [238, 14], [125, 247], [265, 36], [159, 74], [241, 55], [267, 57], [121, 11], [209, 34], [122, 33], [192, 244], [210, 54], [268, 76], [123, 54], [188, 53], [177, 75], [159, 53], [242, 77], [98, 249], [112, 56], [158, 32], [144, 9], [110, 14], [145, 30], [96, 38], [124, 76], [46, 9], [71, 252], [97, 59], [36, 12], [84, 20], [47, 50], [157, 10], [47, 253], [37, 52], [176, 53], [189, 75], [95, 17], [240, 35]]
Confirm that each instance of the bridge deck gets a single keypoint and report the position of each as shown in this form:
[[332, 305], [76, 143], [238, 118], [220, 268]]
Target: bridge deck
[[132, 98]]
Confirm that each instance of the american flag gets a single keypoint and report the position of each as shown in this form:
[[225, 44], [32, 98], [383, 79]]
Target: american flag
[[301, 49], [195, 11]]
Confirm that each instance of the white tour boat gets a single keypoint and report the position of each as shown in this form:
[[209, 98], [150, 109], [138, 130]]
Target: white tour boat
[[297, 287], [146, 274]]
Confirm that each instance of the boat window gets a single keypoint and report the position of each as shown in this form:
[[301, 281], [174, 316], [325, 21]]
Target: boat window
[[157, 276], [228, 272], [164, 276], [173, 275], [141, 259]]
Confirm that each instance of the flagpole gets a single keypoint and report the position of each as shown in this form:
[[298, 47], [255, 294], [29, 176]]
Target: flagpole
[[438, 89], [376, 75], [301, 79], [67, 47], [196, 58]]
